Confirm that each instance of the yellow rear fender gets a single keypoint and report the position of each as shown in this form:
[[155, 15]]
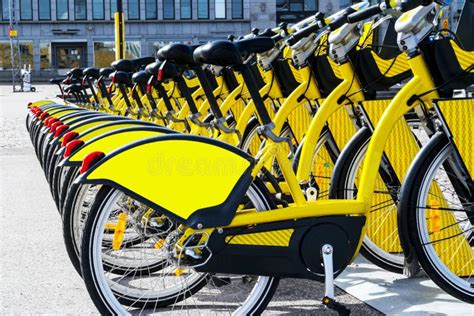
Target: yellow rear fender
[[111, 140], [197, 181]]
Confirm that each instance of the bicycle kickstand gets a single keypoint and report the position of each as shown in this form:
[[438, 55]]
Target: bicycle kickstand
[[328, 299]]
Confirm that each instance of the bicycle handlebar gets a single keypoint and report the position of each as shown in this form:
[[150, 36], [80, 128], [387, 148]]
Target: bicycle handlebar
[[369, 12], [350, 15], [411, 4], [341, 20], [304, 32], [364, 14]]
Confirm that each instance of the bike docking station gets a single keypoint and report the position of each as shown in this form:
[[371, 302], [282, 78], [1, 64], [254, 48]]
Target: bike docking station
[[337, 149]]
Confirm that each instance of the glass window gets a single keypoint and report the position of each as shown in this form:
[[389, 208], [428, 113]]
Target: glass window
[[5, 11], [220, 9], [310, 5], [44, 9], [104, 54], [203, 9], [45, 55], [80, 10], [133, 10], [113, 8], [296, 6], [168, 9], [237, 9], [133, 49], [186, 10], [98, 9], [26, 10], [62, 10], [151, 10], [26, 50], [5, 55]]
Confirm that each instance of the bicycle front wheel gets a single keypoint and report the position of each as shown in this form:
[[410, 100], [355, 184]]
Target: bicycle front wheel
[[437, 206]]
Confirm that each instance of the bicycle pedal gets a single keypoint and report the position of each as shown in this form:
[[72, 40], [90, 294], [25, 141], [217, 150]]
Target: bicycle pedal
[[336, 306], [220, 281]]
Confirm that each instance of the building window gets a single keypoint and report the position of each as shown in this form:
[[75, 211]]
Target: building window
[[203, 9], [133, 9], [26, 51], [26, 10], [133, 50], [45, 55], [291, 11], [220, 9], [310, 5], [151, 10], [5, 55], [44, 9], [297, 5], [104, 52], [186, 10], [113, 8], [168, 9], [237, 9], [98, 9], [80, 10], [5, 10], [62, 10]]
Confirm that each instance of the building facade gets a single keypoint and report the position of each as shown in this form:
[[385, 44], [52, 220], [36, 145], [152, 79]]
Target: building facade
[[56, 35]]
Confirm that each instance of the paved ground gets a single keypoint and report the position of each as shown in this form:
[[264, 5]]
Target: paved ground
[[35, 274]]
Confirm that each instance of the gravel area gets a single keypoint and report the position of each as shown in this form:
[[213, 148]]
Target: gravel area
[[35, 274]]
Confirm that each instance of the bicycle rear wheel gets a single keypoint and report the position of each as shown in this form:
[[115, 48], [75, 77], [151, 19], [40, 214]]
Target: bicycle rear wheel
[[170, 289]]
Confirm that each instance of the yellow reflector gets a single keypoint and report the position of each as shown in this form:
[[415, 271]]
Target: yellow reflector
[[159, 244], [110, 226], [119, 231]]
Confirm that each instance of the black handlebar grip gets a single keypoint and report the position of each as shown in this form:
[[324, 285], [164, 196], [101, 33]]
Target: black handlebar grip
[[277, 38], [364, 14], [305, 32], [411, 4], [337, 23]]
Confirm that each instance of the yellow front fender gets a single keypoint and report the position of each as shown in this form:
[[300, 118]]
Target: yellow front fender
[[195, 180]]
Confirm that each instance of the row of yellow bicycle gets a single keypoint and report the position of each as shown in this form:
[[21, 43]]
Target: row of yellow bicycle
[[198, 179]]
